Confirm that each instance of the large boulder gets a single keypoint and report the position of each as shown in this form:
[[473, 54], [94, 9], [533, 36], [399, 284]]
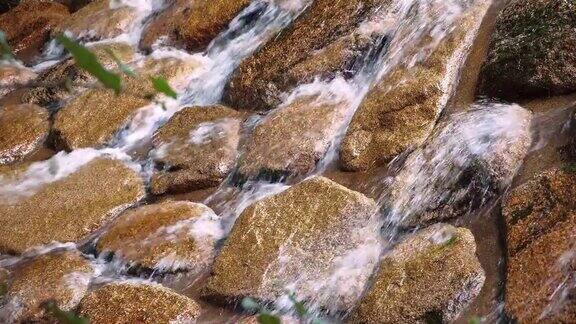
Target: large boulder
[[13, 76], [137, 302], [540, 218], [191, 25], [429, 277], [23, 129], [291, 140], [61, 277], [66, 207], [28, 26], [532, 51], [323, 42], [305, 239], [195, 149], [54, 81], [167, 236], [400, 112]]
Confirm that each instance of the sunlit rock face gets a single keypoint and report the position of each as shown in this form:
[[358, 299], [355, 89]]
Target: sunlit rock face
[[540, 218], [169, 236], [191, 24], [54, 201], [137, 302], [532, 51], [400, 112], [317, 238], [23, 130], [195, 149], [13, 76], [325, 41], [61, 277], [28, 26], [431, 275]]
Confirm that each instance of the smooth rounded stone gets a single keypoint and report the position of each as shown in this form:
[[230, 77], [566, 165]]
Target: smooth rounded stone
[[291, 140], [400, 112], [532, 51], [13, 76], [137, 302], [195, 149], [325, 41], [191, 25], [53, 81], [168, 236], [307, 238], [28, 26], [62, 277], [540, 218], [69, 209], [23, 129], [430, 276], [98, 20]]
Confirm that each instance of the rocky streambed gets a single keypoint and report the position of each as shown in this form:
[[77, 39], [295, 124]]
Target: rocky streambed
[[361, 161]]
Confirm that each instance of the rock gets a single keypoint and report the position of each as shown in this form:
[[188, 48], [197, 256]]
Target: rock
[[137, 302], [13, 76], [191, 25], [23, 129], [195, 149], [62, 277], [399, 113], [28, 26], [323, 42], [167, 236], [300, 239], [67, 209], [532, 51], [431, 276], [291, 140], [4, 281], [540, 218], [5, 6], [53, 80], [99, 20]]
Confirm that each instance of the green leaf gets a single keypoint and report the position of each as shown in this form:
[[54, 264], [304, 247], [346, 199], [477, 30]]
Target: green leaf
[[299, 306], [87, 61], [62, 316], [123, 67], [162, 86], [5, 50], [266, 318], [474, 320]]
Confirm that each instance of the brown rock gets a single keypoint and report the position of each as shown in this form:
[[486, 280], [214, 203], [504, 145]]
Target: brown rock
[[399, 113], [23, 129], [431, 276], [165, 236], [292, 139], [4, 281], [14, 76], [298, 237], [191, 25], [196, 149], [28, 26], [65, 210], [532, 51], [137, 302], [62, 277], [323, 42], [540, 219]]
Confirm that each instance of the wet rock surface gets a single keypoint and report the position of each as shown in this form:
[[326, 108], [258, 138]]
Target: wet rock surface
[[167, 236], [61, 277], [324, 41], [195, 149], [23, 129], [532, 51], [13, 76], [540, 218], [191, 25], [28, 26], [431, 275], [296, 236], [137, 302], [66, 210]]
